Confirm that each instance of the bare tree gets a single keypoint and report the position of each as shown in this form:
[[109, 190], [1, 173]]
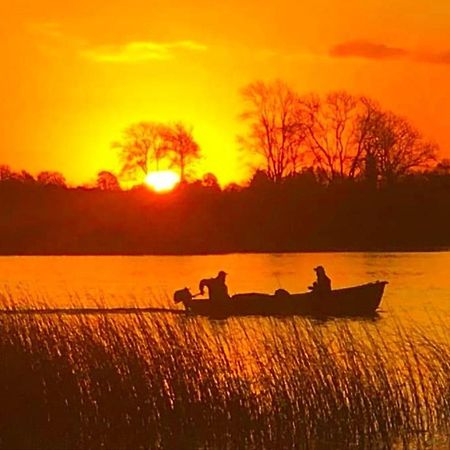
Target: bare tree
[[350, 136], [396, 146], [274, 130], [336, 133], [182, 147], [143, 144], [107, 181]]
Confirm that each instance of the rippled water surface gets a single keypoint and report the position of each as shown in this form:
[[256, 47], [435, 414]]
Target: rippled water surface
[[419, 283], [410, 333]]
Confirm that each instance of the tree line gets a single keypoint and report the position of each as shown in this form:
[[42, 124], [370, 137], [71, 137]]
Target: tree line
[[143, 147], [332, 172], [342, 136], [339, 136], [301, 213]]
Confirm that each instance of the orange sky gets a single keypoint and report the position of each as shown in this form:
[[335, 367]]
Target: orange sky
[[73, 76]]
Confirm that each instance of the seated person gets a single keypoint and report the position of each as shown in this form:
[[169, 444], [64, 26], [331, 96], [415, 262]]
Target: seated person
[[322, 283], [217, 289]]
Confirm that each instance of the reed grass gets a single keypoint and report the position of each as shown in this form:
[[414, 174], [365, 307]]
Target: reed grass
[[155, 381]]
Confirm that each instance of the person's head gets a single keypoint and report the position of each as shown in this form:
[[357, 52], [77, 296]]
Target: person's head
[[222, 275], [319, 270]]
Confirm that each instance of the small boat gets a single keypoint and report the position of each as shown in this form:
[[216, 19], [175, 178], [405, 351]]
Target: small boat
[[360, 300]]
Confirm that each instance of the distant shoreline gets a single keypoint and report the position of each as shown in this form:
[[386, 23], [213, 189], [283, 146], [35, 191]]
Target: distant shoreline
[[223, 253], [300, 216]]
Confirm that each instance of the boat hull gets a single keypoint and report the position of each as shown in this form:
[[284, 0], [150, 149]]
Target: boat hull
[[361, 300]]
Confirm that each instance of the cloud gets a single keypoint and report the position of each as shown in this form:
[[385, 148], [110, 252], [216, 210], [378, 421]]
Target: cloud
[[434, 58], [378, 51], [52, 39], [366, 49], [140, 51]]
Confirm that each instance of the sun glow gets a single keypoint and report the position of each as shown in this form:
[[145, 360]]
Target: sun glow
[[163, 180]]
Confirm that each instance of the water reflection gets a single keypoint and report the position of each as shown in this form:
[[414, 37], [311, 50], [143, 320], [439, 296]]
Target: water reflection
[[376, 370], [419, 285]]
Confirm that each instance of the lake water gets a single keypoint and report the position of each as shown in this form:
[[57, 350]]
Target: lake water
[[418, 293], [419, 283]]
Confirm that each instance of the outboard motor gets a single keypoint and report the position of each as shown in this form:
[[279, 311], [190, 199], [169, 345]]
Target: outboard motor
[[182, 296]]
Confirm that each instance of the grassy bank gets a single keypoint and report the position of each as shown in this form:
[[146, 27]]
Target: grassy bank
[[156, 381]]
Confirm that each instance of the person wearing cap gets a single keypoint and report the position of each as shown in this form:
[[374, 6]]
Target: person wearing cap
[[322, 283], [217, 288]]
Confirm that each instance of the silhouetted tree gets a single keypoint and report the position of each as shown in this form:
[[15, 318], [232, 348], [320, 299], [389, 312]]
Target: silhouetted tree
[[442, 167], [182, 147], [397, 147], [107, 181], [25, 177], [209, 180], [260, 180], [370, 169], [233, 187], [350, 136], [5, 172], [274, 130], [143, 143], [51, 179], [336, 133]]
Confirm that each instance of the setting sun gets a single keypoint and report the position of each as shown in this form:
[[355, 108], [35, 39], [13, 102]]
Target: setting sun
[[163, 180]]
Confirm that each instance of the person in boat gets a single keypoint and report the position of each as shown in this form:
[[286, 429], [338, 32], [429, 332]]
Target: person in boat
[[217, 288], [323, 283]]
